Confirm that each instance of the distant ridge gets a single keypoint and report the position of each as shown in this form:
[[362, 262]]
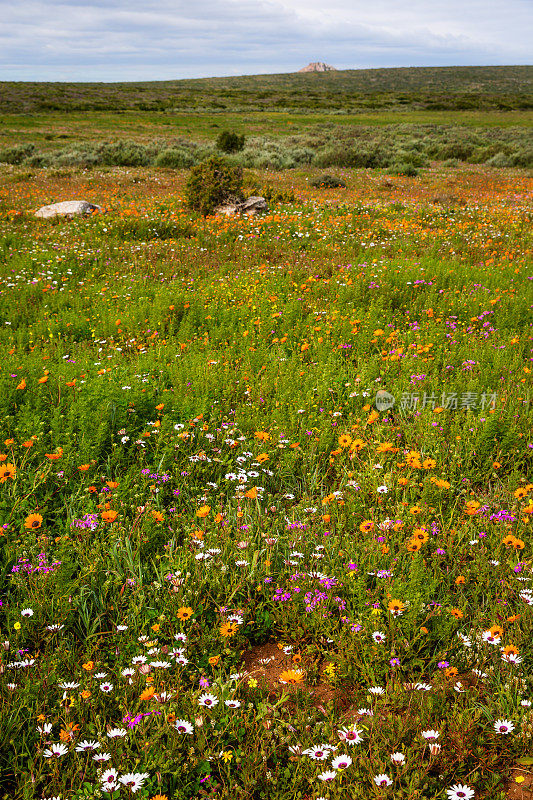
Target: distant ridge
[[318, 66], [501, 88]]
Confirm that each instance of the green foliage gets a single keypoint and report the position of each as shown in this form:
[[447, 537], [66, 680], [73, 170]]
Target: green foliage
[[212, 183], [229, 142], [16, 154], [328, 182], [175, 158]]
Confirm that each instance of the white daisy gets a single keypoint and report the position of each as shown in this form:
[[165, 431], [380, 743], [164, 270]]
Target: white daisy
[[382, 780], [350, 735], [341, 762], [207, 700], [460, 792], [87, 746], [182, 726], [504, 726], [397, 758], [55, 751], [133, 780]]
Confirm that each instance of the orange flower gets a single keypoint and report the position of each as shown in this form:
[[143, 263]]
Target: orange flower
[[357, 445], [33, 521], [496, 630], [28, 444], [451, 672], [460, 579], [251, 493], [8, 442], [402, 481], [158, 516], [396, 607], [160, 407], [71, 383], [84, 467], [387, 447], [292, 676], [55, 456], [147, 694], [7, 471], [185, 613], [85, 694], [415, 510], [261, 458], [429, 463], [22, 385], [229, 629], [112, 484], [345, 440], [214, 660], [457, 613], [366, 526], [88, 666], [263, 436], [43, 379], [203, 511], [109, 516], [420, 534], [414, 545]]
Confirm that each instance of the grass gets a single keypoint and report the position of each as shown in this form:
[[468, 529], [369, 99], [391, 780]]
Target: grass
[[199, 498]]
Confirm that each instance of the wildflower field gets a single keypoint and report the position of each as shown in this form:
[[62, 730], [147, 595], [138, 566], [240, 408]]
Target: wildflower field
[[229, 568]]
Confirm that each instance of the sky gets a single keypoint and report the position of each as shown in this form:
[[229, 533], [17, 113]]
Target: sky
[[131, 40]]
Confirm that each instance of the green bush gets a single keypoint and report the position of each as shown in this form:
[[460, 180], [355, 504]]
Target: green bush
[[212, 183], [16, 154], [399, 168], [175, 158], [328, 182], [230, 142]]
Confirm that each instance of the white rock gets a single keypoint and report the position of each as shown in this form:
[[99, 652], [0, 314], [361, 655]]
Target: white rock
[[73, 208]]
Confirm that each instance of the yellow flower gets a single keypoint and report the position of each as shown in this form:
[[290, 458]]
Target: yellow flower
[[17, 626], [203, 511], [184, 613], [227, 756], [252, 683]]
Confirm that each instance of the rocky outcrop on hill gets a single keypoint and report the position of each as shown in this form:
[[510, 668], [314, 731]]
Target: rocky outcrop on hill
[[318, 66]]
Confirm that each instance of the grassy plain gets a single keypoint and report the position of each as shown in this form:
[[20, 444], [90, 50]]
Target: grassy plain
[[224, 572]]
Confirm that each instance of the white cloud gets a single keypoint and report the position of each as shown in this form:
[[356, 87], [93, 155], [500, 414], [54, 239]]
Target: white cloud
[[165, 39]]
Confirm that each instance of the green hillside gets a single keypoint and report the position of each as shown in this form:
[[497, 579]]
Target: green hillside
[[502, 87]]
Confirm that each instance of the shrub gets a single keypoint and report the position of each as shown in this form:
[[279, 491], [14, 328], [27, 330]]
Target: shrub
[[399, 168], [16, 154], [212, 183], [328, 182], [125, 154], [230, 142], [175, 157]]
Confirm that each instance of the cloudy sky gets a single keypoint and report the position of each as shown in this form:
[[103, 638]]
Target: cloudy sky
[[118, 40]]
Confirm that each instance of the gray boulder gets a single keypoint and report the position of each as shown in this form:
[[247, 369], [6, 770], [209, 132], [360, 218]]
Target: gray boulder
[[69, 208], [252, 205]]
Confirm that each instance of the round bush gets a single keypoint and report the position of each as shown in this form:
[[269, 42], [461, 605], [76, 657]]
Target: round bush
[[212, 183], [175, 158]]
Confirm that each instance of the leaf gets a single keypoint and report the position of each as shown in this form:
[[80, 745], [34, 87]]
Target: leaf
[[526, 761]]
